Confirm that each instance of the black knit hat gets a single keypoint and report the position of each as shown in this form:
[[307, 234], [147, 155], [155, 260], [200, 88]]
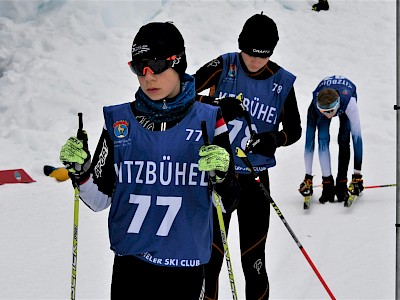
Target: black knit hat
[[159, 40], [259, 36]]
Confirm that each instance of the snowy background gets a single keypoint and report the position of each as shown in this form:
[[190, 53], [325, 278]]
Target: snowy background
[[58, 58]]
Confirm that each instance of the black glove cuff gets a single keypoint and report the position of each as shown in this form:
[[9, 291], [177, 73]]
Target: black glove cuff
[[280, 139], [308, 177], [79, 179]]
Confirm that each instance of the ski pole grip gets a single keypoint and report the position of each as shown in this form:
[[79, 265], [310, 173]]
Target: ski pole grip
[[246, 114], [80, 134], [80, 116], [205, 133], [248, 121]]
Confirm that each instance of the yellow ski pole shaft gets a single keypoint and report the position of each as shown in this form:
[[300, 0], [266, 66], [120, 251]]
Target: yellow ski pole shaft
[[225, 244], [79, 135], [221, 223], [75, 244]]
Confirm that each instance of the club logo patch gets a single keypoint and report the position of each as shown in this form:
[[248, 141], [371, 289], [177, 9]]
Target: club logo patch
[[232, 71], [121, 129]]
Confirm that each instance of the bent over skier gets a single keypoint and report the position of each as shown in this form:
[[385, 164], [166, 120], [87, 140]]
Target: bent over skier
[[334, 96]]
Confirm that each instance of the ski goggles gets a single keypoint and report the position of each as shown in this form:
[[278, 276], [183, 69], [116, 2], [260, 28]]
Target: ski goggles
[[154, 66], [331, 109]]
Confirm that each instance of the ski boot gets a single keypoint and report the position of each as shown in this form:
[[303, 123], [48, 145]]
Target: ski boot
[[356, 184], [328, 190], [341, 190], [321, 5]]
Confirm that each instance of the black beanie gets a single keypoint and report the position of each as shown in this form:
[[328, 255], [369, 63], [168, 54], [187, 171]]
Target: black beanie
[[160, 41], [259, 36]]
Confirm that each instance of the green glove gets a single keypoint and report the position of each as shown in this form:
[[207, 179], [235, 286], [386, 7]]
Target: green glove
[[75, 157], [213, 158]]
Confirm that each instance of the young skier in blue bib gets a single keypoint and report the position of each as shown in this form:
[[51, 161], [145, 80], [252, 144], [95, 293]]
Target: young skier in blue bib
[[150, 167]]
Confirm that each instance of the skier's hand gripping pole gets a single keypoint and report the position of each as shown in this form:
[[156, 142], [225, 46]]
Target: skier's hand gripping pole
[[217, 200], [242, 155], [76, 157]]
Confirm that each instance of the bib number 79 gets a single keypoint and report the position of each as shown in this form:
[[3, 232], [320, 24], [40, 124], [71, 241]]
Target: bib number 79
[[144, 205]]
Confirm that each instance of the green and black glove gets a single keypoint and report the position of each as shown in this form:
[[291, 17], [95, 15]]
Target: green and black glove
[[76, 158], [213, 158]]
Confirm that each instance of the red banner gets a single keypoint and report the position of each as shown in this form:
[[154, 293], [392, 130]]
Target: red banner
[[14, 176]]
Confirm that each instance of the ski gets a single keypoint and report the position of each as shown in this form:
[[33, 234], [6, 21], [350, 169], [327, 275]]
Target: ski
[[307, 202], [350, 201]]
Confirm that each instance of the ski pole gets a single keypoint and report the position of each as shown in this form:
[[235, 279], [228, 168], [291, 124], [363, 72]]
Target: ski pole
[[80, 135], [240, 153], [369, 186], [220, 218], [246, 116], [378, 186], [75, 243]]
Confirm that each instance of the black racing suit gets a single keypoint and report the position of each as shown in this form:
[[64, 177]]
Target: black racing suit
[[253, 210]]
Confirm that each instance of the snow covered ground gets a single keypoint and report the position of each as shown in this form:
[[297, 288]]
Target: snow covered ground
[[58, 58]]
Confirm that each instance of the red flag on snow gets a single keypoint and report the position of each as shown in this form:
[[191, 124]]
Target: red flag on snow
[[14, 176]]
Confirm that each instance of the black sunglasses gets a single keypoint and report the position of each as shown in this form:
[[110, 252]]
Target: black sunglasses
[[155, 66]]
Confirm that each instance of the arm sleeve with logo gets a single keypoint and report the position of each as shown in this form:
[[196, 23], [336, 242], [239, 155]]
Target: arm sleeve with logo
[[208, 75]]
